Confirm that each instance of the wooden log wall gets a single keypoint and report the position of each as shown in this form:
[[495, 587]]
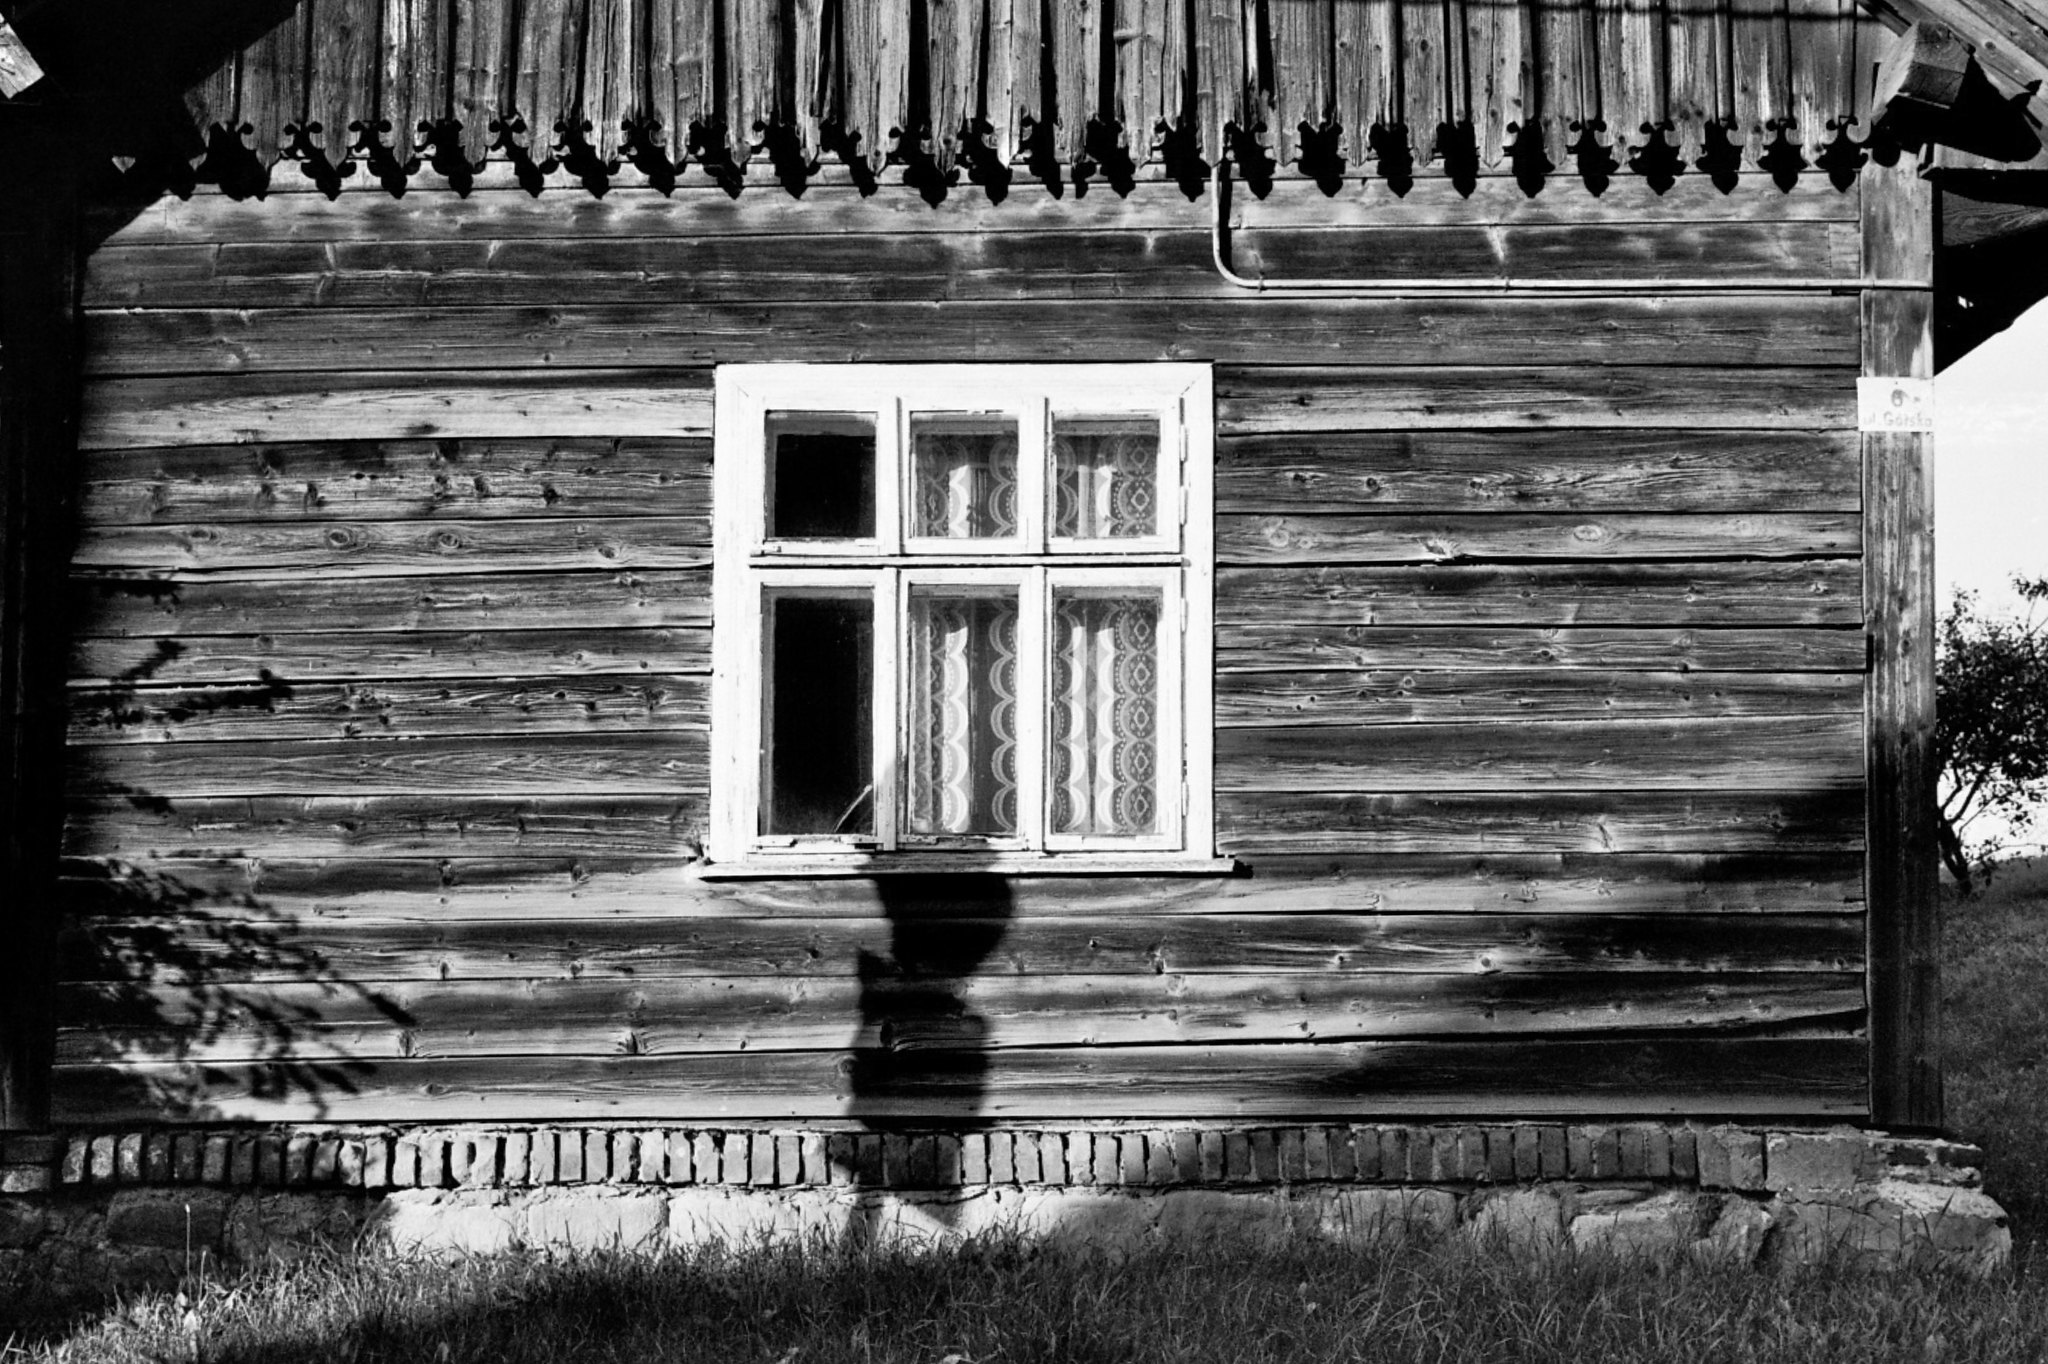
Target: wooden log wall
[[959, 91], [1540, 651]]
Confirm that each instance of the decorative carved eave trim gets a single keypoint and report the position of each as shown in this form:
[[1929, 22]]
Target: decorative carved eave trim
[[968, 96]]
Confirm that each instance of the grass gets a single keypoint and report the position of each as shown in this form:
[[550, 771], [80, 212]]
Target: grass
[[1005, 1300]]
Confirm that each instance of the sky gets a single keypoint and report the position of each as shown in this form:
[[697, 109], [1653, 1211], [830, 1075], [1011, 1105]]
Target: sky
[[1991, 463], [1991, 469]]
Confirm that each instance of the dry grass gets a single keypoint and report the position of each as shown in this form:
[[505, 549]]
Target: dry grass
[[1230, 1302], [1001, 1302]]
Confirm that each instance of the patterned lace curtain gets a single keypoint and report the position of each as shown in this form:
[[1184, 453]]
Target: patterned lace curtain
[[966, 478], [961, 754], [1105, 715], [1105, 478]]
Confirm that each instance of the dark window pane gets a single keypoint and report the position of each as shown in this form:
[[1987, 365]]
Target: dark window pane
[[820, 738], [821, 476]]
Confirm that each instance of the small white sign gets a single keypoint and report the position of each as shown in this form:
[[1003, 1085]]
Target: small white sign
[[1895, 404]]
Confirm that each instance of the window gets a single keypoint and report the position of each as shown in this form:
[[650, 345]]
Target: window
[[962, 618]]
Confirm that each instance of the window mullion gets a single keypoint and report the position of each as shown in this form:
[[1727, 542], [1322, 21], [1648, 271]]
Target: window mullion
[[1170, 757], [888, 704], [892, 453], [1033, 655], [1034, 453]]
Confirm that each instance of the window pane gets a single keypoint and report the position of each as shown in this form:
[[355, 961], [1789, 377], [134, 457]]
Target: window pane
[[963, 476], [960, 729], [1105, 712], [821, 476], [820, 739], [1105, 477]]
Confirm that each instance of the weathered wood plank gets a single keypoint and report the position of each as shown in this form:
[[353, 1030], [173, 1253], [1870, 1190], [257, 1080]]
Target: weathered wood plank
[[1423, 87], [1010, 91], [614, 66], [1787, 251], [550, 68], [685, 84], [1819, 96], [1795, 1077], [1255, 645], [1746, 753], [279, 710], [1568, 74], [128, 413], [1073, 38], [1761, 38], [235, 345], [1392, 538], [1305, 49], [659, 763], [393, 1019], [752, 36], [1698, 60], [385, 826], [415, 69], [399, 548], [1531, 471], [346, 55], [259, 663], [395, 480], [1251, 401], [1082, 262], [448, 889], [1905, 898], [696, 208], [484, 62], [1809, 592], [1550, 821], [274, 85], [1367, 41], [1435, 696], [1634, 81], [165, 607], [933, 952]]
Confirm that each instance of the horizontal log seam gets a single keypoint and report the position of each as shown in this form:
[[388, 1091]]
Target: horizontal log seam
[[1219, 237]]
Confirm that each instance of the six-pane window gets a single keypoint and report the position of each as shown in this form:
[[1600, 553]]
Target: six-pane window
[[961, 609]]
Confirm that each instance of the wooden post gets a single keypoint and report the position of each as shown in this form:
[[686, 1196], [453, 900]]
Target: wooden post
[[1898, 603], [37, 422]]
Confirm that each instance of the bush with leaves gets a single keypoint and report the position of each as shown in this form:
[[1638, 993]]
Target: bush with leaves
[[1991, 728]]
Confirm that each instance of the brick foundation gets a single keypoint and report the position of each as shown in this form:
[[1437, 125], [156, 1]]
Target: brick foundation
[[146, 1198]]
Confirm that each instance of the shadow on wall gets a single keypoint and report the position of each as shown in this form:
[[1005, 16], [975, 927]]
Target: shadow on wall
[[120, 70], [922, 1047], [185, 995], [187, 986]]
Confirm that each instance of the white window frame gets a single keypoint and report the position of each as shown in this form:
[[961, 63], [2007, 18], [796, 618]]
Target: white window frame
[[1179, 562]]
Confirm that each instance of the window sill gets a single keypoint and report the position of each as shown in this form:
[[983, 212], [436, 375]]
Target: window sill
[[968, 864]]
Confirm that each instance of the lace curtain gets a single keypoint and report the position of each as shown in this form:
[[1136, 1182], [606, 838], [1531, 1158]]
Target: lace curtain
[[966, 481], [1105, 715], [961, 749], [961, 744], [1105, 478]]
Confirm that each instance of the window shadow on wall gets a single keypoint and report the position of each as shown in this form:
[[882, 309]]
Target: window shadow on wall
[[923, 1055]]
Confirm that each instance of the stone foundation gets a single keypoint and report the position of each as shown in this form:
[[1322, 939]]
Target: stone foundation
[[150, 1205]]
